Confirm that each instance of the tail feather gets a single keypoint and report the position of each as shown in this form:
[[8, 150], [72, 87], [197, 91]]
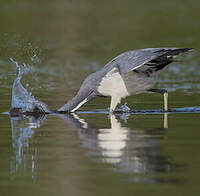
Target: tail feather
[[173, 51], [166, 57]]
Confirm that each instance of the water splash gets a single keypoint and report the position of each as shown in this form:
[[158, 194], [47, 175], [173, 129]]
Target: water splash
[[123, 108], [22, 100]]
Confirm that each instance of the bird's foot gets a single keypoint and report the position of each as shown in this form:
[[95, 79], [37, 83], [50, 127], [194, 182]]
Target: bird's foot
[[122, 109]]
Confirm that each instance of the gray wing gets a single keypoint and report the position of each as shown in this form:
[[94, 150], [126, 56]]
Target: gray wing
[[134, 59]]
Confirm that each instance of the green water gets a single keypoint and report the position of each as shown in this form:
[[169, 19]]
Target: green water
[[91, 153]]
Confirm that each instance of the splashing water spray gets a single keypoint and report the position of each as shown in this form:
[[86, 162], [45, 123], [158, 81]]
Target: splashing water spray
[[22, 101]]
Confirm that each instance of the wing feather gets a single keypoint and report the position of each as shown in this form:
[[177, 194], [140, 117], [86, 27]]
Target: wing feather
[[134, 59]]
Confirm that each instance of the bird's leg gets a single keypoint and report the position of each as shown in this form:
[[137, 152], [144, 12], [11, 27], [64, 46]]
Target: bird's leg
[[114, 101], [165, 94]]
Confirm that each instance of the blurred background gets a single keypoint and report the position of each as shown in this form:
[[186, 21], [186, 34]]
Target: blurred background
[[63, 41]]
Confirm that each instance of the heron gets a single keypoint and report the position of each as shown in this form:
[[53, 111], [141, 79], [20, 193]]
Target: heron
[[132, 72]]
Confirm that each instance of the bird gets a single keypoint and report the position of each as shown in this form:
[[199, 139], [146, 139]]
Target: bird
[[132, 72]]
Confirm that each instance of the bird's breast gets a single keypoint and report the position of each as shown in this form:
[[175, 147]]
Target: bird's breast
[[112, 84]]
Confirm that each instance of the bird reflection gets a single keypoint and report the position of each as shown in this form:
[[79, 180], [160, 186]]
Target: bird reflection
[[127, 149], [112, 141], [24, 154]]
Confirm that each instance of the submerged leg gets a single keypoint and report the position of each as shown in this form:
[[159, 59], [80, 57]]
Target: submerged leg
[[165, 94]]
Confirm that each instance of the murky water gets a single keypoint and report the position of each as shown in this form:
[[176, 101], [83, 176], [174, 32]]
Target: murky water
[[57, 44]]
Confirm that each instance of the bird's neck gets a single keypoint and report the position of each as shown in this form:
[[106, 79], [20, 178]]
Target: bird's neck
[[72, 105], [81, 97]]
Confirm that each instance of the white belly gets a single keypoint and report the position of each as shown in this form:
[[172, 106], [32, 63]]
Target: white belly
[[113, 85]]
